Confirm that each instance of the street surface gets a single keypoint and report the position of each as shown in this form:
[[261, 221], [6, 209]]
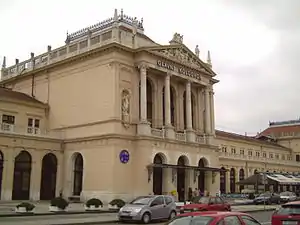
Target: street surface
[[263, 217]]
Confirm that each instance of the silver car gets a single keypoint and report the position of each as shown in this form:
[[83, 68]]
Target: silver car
[[288, 196], [148, 208]]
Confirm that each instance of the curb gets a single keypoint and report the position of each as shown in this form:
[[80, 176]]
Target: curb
[[54, 214], [259, 210], [89, 223]]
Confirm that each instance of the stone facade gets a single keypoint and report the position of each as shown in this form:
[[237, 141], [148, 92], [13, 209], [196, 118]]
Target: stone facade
[[118, 116]]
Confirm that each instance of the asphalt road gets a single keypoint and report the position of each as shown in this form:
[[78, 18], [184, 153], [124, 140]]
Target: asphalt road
[[263, 217]]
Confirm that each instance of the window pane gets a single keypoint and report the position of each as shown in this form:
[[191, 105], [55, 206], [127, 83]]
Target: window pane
[[8, 119], [37, 123], [30, 122]]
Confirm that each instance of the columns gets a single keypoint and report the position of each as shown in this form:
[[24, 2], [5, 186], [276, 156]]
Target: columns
[[168, 126], [207, 112], [212, 113], [144, 126], [167, 101], [188, 105], [189, 122], [143, 93]]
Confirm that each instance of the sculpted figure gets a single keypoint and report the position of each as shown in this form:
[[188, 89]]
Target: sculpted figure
[[197, 51], [125, 103]]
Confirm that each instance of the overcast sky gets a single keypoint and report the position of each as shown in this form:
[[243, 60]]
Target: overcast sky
[[255, 45]]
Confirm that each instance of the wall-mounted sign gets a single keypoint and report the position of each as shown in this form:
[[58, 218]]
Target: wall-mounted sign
[[124, 156], [180, 70]]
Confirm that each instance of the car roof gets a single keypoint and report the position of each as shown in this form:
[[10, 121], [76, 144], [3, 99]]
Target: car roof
[[212, 213], [292, 203]]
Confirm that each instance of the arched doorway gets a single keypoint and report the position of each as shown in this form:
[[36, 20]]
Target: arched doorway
[[172, 105], [158, 175], [22, 173], [78, 175], [192, 110], [201, 178], [48, 180], [1, 170], [181, 178], [241, 177], [223, 180], [232, 180]]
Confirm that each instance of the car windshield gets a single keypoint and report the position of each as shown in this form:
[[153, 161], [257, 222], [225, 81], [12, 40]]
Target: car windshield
[[289, 210], [265, 195], [191, 220], [143, 200], [200, 200], [285, 193]]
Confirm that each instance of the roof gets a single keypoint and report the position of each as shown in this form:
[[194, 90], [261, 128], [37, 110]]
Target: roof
[[8, 93], [280, 129], [247, 138], [292, 203]]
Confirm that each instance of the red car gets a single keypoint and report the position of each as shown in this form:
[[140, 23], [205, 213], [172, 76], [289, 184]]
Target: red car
[[288, 214], [213, 218], [206, 204]]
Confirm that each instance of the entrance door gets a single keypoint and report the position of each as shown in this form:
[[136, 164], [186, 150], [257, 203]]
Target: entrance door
[[22, 173], [48, 180]]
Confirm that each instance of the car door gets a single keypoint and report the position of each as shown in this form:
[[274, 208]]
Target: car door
[[212, 204], [156, 207], [232, 220], [249, 220], [220, 206]]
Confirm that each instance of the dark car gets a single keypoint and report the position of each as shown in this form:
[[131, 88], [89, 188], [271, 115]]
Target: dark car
[[206, 204], [288, 214], [267, 198]]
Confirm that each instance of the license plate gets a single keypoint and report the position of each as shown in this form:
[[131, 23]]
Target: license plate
[[290, 222]]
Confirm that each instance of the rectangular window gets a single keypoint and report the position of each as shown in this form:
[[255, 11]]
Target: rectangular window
[[264, 154], [250, 153], [271, 155], [257, 154], [8, 119], [242, 151], [233, 150], [33, 126]]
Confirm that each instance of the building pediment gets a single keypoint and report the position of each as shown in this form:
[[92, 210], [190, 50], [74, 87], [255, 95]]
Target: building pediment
[[183, 55]]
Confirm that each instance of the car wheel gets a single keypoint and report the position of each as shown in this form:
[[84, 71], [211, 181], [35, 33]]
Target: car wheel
[[146, 218], [172, 215]]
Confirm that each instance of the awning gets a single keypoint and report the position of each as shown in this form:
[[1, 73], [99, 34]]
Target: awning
[[284, 179], [155, 165], [256, 179], [271, 179]]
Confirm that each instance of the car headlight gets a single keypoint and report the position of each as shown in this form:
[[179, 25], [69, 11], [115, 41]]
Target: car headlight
[[136, 210], [121, 209], [195, 209]]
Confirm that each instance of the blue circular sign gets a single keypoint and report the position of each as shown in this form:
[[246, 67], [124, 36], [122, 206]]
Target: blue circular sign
[[124, 156]]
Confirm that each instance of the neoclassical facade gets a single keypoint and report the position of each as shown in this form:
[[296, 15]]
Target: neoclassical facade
[[120, 116]]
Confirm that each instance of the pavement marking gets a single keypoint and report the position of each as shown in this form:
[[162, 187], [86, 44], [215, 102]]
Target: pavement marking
[[265, 223]]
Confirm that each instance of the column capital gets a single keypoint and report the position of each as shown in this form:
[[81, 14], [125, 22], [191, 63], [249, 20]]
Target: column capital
[[142, 66]]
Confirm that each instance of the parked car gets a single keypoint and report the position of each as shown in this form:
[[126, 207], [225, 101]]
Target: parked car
[[213, 218], [287, 214], [288, 196], [148, 208], [267, 198], [206, 204]]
